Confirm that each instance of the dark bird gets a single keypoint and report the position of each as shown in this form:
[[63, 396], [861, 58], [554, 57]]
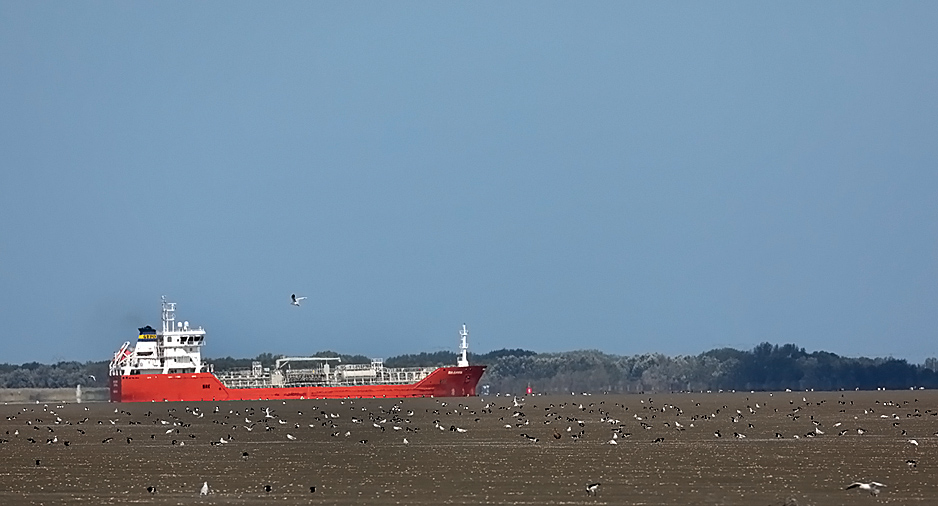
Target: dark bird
[[312, 489], [151, 489], [267, 488]]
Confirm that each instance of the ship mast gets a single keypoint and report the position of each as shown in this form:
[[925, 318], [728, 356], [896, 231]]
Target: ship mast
[[169, 316], [463, 348]]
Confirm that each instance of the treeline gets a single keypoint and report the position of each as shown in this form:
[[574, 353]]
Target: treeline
[[765, 367], [441, 358], [60, 375]]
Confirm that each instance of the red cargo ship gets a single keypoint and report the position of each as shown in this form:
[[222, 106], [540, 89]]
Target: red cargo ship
[[167, 365]]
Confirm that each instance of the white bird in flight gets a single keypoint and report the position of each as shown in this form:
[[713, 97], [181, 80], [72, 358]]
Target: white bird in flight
[[296, 300], [873, 487]]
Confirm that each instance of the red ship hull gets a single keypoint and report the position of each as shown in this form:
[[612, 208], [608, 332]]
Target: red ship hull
[[443, 382]]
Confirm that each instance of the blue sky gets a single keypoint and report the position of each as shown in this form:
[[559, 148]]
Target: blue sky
[[630, 177]]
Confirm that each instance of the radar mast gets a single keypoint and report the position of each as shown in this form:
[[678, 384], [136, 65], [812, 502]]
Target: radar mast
[[463, 347]]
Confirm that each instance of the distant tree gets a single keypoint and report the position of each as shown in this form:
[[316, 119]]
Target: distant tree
[[346, 359], [221, 364], [436, 359], [931, 363], [492, 356]]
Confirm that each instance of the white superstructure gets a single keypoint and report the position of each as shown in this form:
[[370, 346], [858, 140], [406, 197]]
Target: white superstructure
[[175, 349]]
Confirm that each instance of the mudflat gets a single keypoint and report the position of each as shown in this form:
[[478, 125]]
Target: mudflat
[[731, 448]]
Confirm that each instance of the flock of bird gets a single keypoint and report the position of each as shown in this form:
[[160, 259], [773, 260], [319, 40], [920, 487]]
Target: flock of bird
[[582, 421]]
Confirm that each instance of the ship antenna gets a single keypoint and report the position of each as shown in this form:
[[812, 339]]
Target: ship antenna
[[463, 347]]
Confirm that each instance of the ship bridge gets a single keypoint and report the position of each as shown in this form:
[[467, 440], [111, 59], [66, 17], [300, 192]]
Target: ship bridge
[[177, 348]]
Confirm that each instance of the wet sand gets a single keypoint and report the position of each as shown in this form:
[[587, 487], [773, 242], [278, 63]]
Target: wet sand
[[666, 450]]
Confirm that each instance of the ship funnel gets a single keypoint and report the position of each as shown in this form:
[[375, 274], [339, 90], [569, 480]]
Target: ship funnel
[[147, 333]]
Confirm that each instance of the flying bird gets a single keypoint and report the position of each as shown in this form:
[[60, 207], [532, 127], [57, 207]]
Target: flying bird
[[872, 487], [296, 300]]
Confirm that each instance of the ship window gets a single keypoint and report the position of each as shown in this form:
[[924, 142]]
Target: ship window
[[206, 386]]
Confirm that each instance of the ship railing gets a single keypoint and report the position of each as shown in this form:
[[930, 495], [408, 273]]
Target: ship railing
[[351, 382], [410, 369], [241, 374], [246, 382], [293, 375], [295, 378], [402, 377], [357, 367]]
